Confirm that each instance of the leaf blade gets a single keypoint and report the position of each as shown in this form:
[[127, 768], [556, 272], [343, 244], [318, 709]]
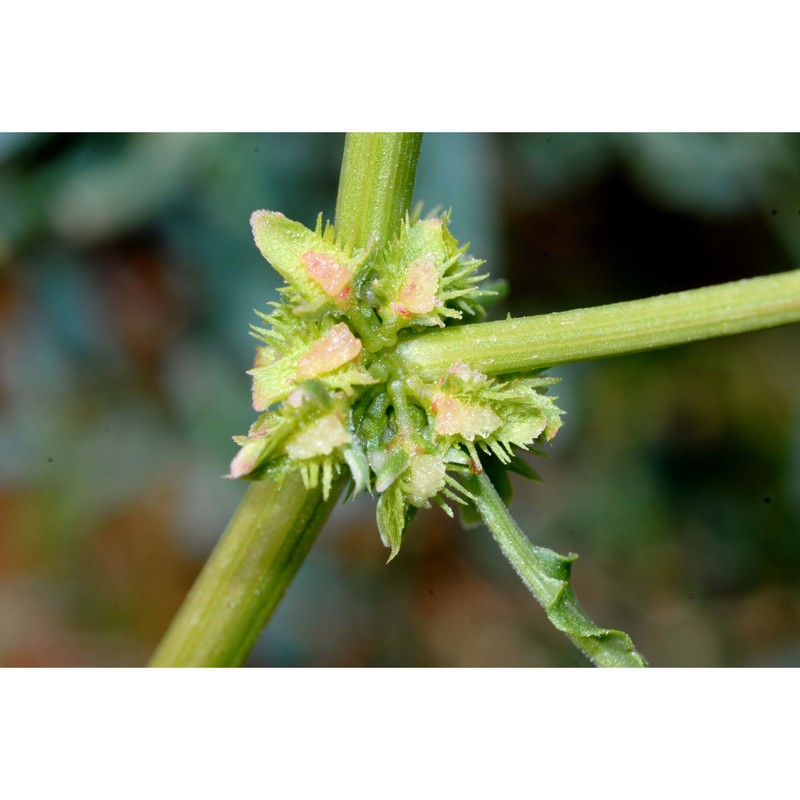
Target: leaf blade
[[547, 576]]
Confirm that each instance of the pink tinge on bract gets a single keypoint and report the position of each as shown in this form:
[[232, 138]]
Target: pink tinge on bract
[[246, 459], [333, 350], [296, 398], [418, 295], [332, 276], [457, 418]]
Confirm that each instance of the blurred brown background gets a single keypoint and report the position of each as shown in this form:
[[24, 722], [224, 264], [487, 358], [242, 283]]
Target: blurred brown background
[[127, 283]]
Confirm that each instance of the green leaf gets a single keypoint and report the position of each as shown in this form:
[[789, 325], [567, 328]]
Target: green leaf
[[391, 518], [522, 467], [547, 575], [498, 475], [551, 571], [469, 517]]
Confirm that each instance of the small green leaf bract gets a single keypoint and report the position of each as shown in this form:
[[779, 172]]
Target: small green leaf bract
[[391, 516]]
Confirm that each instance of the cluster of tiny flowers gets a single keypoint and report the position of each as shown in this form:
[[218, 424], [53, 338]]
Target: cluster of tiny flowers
[[332, 394]]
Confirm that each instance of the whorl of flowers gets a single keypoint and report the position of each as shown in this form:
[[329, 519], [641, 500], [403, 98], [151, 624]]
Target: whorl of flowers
[[331, 391]]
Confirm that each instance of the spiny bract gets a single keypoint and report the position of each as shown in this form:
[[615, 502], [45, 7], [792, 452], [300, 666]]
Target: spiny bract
[[332, 391]]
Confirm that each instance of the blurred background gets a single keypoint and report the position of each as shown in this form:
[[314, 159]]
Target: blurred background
[[128, 278]]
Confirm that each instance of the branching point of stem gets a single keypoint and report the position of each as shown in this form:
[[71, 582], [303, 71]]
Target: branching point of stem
[[446, 373]]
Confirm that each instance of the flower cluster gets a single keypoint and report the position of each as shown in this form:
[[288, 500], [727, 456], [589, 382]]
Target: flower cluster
[[332, 391]]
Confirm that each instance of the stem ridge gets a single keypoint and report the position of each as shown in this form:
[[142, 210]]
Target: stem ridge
[[564, 337]]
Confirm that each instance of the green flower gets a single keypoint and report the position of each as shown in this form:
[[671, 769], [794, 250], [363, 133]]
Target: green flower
[[332, 394]]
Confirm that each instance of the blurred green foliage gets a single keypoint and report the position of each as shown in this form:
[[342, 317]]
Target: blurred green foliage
[[127, 283]]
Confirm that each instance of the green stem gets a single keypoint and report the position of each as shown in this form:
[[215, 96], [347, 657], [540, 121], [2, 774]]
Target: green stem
[[273, 528], [588, 333], [380, 169], [262, 548], [547, 574]]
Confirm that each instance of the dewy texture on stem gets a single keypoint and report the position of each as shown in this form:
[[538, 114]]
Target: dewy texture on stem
[[267, 539], [373, 200], [567, 336]]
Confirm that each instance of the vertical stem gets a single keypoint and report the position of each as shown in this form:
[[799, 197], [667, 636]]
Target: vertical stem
[[274, 527], [380, 170]]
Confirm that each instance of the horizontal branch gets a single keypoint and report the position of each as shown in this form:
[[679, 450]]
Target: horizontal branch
[[584, 334]]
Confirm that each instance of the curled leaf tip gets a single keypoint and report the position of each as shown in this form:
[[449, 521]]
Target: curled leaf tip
[[547, 576]]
